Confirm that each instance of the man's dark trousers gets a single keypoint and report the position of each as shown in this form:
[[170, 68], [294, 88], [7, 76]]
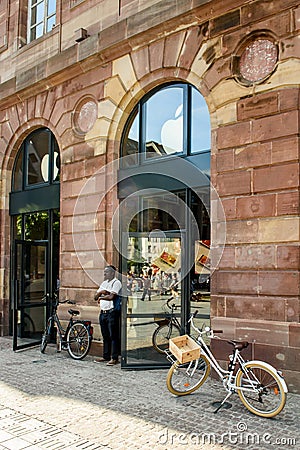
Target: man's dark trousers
[[110, 333]]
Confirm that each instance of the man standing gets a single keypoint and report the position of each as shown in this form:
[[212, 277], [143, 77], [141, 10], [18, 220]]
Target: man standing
[[147, 285], [146, 288], [109, 317]]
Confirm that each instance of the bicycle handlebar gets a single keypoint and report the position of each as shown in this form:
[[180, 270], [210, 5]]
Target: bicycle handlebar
[[172, 306], [70, 302], [56, 302], [168, 302], [207, 330]]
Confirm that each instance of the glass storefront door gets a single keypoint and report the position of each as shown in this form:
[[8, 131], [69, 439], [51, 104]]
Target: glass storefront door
[[161, 263], [152, 264], [30, 288]]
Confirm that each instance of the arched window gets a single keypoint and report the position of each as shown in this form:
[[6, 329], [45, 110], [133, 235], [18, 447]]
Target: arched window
[[173, 120], [37, 162]]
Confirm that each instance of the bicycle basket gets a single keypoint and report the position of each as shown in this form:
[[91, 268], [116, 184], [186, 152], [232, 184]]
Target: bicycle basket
[[184, 348]]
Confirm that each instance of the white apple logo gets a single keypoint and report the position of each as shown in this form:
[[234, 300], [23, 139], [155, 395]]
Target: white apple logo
[[45, 167], [172, 132]]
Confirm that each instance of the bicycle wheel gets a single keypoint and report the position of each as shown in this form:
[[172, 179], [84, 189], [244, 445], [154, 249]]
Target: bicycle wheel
[[185, 378], [45, 337], [78, 341], [162, 334], [263, 393]]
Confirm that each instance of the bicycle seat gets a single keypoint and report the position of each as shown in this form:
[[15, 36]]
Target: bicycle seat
[[239, 345], [73, 312]]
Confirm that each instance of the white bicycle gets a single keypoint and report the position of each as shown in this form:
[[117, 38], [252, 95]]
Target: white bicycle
[[260, 386]]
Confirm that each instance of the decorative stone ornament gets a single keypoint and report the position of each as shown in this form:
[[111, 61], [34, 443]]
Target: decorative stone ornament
[[256, 60], [84, 115]]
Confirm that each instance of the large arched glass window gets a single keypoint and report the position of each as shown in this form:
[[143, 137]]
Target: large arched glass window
[[37, 162], [173, 120]]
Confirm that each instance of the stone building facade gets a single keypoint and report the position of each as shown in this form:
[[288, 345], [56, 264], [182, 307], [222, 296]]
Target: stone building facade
[[81, 80]]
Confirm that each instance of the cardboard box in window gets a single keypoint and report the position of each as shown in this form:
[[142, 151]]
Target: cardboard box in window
[[184, 348]]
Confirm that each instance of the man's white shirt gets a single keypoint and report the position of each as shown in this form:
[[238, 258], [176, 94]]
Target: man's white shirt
[[112, 286]]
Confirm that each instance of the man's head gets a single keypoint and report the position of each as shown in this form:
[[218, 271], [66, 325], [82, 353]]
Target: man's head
[[109, 272]]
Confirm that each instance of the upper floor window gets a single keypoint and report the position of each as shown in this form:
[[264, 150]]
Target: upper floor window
[[42, 17], [37, 162], [172, 120]]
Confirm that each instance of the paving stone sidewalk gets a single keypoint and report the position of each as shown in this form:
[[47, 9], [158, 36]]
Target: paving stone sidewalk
[[53, 402]]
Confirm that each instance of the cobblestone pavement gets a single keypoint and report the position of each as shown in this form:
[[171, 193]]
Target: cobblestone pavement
[[53, 402]]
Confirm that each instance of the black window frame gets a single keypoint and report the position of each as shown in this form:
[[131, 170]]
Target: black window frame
[[37, 196]]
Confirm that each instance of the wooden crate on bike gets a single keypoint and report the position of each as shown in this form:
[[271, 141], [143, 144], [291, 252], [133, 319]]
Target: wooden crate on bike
[[184, 348]]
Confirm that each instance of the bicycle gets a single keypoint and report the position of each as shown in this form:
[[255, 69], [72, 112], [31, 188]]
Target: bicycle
[[261, 388], [168, 327], [76, 338]]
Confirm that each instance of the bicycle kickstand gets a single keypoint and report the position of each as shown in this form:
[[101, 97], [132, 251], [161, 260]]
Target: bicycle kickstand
[[223, 402]]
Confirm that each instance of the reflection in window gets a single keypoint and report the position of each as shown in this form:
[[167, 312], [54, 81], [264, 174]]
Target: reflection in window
[[200, 211], [42, 17], [164, 212], [153, 213], [173, 120], [36, 226], [18, 173], [18, 226], [200, 123], [131, 141], [164, 122], [200, 273], [38, 161]]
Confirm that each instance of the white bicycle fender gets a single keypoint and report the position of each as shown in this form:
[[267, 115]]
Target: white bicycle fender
[[272, 369]]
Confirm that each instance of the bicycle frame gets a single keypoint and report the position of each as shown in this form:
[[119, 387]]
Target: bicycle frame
[[173, 321], [54, 319], [227, 376], [170, 316], [222, 373], [62, 332]]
